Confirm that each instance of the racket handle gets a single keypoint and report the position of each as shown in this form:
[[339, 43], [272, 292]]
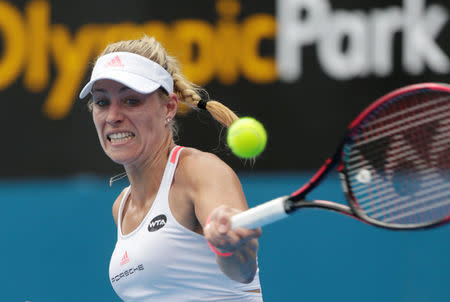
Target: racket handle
[[260, 215]]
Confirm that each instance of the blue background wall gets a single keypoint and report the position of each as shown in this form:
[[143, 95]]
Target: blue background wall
[[58, 236]]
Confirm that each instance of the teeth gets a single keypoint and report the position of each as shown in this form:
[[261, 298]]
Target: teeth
[[120, 137]]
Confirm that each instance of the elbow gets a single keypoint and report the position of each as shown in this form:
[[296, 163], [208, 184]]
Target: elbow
[[244, 276], [243, 279], [249, 279]]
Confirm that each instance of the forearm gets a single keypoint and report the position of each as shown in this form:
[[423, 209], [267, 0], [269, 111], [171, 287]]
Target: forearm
[[236, 249], [241, 266]]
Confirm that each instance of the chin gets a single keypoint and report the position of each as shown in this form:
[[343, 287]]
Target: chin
[[121, 159]]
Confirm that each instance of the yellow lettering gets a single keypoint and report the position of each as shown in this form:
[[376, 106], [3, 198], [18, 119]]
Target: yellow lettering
[[227, 41], [37, 71], [230, 8], [119, 32], [14, 50], [254, 67], [195, 49], [226, 50], [71, 59], [160, 32]]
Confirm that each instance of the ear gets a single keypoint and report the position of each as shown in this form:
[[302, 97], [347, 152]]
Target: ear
[[172, 105]]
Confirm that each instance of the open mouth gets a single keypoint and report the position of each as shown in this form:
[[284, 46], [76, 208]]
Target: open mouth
[[120, 137]]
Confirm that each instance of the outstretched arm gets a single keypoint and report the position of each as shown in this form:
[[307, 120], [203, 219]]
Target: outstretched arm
[[217, 195], [236, 250]]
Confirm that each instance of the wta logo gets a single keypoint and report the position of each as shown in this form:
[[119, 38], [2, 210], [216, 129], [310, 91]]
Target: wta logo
[[157, 223]]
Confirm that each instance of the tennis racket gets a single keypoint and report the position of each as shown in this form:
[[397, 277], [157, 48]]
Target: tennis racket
[[394, 165]]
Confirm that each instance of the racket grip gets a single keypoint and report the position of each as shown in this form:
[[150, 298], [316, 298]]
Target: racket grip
[[260, 215]]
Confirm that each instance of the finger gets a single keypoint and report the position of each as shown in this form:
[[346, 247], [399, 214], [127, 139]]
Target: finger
[[229, 241], [223, 224], [248, 233]]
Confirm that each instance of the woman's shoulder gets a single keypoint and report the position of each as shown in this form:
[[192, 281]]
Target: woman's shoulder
[[192, 158], [190, 153], [196, 164]]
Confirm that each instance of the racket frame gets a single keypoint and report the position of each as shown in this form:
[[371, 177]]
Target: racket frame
[[297, 199]]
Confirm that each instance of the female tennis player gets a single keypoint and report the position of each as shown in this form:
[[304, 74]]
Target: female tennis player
[[174, 241]]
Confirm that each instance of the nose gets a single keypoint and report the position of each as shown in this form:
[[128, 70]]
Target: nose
[[115, 114]]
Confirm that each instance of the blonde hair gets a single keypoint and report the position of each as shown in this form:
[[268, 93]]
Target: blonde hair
[[188, 93]]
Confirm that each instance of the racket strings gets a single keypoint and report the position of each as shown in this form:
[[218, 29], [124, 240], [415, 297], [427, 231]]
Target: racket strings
[[399, 152], [399, 163], [406, 124], [407, 110], [373, 209], [376, 201]]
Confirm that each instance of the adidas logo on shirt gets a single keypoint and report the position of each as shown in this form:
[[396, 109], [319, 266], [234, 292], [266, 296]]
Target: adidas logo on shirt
[[125, 259]]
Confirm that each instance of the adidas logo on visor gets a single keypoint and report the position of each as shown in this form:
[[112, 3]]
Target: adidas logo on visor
[[115, 62]]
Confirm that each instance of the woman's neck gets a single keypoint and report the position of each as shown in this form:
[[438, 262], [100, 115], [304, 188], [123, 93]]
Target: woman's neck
[[145, 179]]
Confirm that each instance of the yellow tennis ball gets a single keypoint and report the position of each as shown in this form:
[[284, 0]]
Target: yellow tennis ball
[[246, 137]]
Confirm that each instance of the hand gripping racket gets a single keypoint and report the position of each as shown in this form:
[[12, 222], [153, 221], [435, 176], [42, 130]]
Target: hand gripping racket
[[394, 163]]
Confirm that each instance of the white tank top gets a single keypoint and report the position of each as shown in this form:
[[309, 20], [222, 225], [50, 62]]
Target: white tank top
[[161, 260]]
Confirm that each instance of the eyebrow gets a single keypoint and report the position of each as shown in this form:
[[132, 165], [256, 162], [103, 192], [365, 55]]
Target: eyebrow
[[98, 90]]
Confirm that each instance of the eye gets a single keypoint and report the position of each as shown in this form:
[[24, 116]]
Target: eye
[[100, 103], [132, 102]]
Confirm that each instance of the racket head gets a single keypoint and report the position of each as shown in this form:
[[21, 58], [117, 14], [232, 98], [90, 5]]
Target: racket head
[[395, 159]]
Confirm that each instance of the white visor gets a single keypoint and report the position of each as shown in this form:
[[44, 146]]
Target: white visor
[[132, 70]]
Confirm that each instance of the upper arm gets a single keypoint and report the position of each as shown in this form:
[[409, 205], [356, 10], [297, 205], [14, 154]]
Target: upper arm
[[211, 183]]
